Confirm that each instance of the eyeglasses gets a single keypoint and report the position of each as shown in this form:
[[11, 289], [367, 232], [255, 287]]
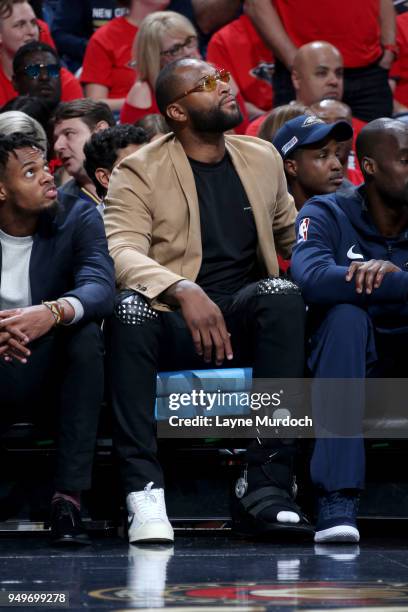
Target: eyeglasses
[[208, 83], [189, 43], [33, 71]]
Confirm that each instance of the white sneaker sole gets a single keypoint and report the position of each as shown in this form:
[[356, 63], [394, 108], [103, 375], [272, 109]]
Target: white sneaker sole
[[153, 532], [339, 533]]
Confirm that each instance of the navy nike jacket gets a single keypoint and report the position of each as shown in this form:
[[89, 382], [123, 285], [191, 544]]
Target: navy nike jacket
[[334, 230]]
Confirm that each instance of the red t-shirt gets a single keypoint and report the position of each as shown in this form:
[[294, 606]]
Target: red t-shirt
[[131, 114], [70, 87], [45, 34], [255, 125], [238, 48], [399, 69], [107, 56], [354, 173], [352, 26]]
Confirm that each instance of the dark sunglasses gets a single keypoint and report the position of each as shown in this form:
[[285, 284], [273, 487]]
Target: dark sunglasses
[[33, 71]]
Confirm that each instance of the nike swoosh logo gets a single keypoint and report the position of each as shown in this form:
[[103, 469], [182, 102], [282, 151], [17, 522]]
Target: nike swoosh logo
[[352, 255]]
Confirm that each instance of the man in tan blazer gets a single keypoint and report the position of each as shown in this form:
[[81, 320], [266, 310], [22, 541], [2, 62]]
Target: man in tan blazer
[[194, 222]]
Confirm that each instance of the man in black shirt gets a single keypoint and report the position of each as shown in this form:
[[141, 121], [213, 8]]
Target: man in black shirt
[[192, 222]]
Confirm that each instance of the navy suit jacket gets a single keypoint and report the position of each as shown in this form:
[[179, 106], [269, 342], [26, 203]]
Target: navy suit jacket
[[70, 257]]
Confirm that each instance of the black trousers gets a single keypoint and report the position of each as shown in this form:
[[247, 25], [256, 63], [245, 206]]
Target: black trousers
[[61, 388], [267, 333], [283, 90], [366, 91]]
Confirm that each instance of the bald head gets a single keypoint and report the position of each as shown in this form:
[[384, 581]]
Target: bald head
[[313, 52], [317, 73], [173, 80], [376, 138], [382, 150], [331, 111]]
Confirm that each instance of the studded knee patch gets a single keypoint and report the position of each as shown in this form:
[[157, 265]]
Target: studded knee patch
[[277, 286], [134, 310]]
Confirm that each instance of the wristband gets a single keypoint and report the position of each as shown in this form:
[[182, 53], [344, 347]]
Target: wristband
[[393, 48], [57, 310]]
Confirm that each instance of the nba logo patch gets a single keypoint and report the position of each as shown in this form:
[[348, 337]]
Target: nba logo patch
[[303, 227]]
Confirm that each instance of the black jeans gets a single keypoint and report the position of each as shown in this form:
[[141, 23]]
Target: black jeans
[[283, 90], [366, 90], [60, 387], [267, 333]]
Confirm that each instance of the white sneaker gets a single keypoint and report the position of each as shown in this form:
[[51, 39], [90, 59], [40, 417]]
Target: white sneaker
[[338, 533], [147, 520]]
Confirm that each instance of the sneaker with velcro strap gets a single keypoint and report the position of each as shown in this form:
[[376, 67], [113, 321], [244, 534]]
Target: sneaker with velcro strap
[[266, 508]]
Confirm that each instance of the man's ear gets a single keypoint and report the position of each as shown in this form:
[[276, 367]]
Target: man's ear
[[3, 193], [176, 112], [101, 125], [295, 79], [291, 167], [103, 176], [368, 166]]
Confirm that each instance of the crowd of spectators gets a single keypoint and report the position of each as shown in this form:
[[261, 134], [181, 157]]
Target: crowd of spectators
[[276, 52]]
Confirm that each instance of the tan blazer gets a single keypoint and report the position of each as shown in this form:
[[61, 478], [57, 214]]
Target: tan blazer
[[152, 217]]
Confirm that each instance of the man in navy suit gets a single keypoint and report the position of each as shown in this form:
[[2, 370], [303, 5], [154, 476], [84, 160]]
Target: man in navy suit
[[57, 284]]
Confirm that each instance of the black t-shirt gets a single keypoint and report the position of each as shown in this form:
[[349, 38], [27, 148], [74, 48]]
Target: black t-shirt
[[228, 232]]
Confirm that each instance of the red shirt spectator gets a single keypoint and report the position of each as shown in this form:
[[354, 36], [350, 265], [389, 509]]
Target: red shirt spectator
[[70, 87], [238, 48], [107, 57], [399, 70], [353, 27], [162, 38]]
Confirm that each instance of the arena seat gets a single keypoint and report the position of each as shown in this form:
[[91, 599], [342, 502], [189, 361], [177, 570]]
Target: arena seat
[[198, 472], [30, 450]]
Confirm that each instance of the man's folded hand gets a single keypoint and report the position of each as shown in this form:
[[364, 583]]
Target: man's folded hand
[[21, 326], [204, 320]]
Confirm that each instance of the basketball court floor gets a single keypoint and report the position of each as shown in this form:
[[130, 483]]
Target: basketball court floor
[[206, 573]]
